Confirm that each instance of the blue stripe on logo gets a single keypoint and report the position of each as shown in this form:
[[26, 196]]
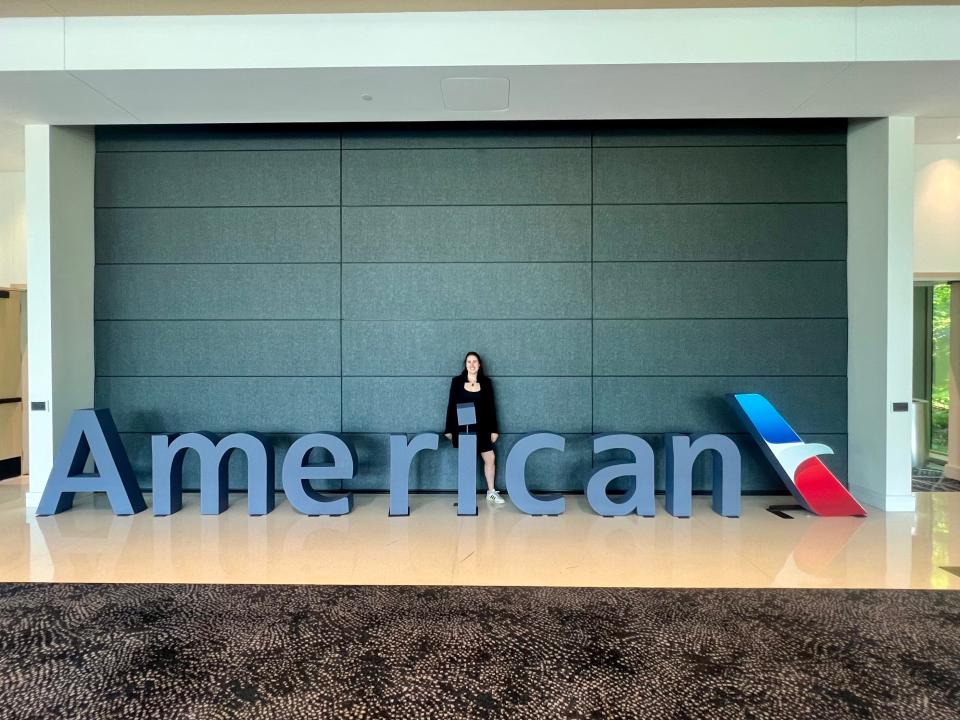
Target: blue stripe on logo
[[765, 418]]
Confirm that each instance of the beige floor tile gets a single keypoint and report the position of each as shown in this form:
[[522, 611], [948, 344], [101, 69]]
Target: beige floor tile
[[500, 546]]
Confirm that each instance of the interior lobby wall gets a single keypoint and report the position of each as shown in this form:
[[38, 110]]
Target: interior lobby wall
[[13, 229], [614, 278], [937, 211]]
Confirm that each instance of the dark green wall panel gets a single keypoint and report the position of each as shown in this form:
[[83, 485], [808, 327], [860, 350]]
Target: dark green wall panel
[[466, 177], [466, 135], [540, 233], [139, 450], [466, 291], [720, 347], [169, 138], [216, 235], [216, 292], [814, 231], [722, 133], [720, 290], [220, 404], [210, 179], [699, 404], [720, 174], [615, 276], [413, 404], [217, 347], [436, 347], [548, 471]]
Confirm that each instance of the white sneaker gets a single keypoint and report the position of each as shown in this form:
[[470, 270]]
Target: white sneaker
[[493, 496]]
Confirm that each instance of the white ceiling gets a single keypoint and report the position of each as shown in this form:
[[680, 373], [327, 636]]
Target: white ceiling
[[674, 64], [80, 8]]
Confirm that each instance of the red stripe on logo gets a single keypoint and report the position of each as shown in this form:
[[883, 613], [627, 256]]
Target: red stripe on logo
[[825, 494]]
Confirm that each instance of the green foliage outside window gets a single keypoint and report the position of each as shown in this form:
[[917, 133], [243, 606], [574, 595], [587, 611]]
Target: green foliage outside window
[[940, 395]]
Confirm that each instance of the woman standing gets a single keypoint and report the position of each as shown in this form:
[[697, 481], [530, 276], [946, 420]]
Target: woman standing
[[472, 386]]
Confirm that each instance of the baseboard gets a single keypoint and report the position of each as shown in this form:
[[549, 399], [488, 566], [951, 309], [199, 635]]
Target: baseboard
[[10, 468], [887, 503]]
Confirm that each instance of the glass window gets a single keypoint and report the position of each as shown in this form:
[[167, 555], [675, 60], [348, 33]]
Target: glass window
[[940, 369]]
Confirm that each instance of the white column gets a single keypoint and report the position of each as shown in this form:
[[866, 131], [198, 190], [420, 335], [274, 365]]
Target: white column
[[60, 262], [880, 177], [952, 468]]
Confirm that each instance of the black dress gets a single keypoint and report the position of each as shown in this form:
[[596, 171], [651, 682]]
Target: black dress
[[486, 412]]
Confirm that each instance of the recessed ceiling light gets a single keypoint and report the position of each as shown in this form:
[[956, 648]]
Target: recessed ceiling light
[[368, 98]]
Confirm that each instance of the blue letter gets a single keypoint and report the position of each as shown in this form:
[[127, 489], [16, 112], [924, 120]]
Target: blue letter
[[641, 470], [401, 455], [726, 473], [91, 433], [296, 475], [526, 501], [168, 456]]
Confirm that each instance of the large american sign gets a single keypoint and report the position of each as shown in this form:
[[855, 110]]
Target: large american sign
[[92, 434]]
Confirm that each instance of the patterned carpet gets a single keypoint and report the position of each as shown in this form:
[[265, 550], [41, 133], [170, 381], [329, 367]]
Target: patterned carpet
[[262, 651]]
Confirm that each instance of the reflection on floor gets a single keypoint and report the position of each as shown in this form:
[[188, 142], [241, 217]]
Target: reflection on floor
[[499, 547]]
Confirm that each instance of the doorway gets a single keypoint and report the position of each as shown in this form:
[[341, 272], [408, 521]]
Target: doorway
[[12, 383], [931, 381]]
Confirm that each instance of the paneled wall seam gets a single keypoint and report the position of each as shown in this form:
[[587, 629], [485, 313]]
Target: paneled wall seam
[[340, 136], [593, 412], [395, 344]]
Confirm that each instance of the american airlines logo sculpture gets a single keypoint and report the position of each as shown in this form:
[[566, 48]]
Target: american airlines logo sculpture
[[93, 434], [796, 462]]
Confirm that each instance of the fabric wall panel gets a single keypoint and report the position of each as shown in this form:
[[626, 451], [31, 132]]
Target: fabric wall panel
[[466, 177], [436, 347], [720, 174], [699, 404], [138, 449], [466, 135], [547, 471], [720, 347], [412, 404], [700, 232], [720, 290], [221, 404], [125, 138], [393, 405], [209, 179], [217, 292], [256, 348], [539, 233], [722, 133], [217, 235], [442, 291], [714, 261]]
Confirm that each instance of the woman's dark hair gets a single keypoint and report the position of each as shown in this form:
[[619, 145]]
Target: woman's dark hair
[[480, 374]]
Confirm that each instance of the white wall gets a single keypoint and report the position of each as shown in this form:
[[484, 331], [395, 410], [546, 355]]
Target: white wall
[[13, 229], [937, 212], [880, 175], [59, 175]]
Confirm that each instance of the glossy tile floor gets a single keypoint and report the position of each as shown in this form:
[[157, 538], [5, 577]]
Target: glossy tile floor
[[501, 546]]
